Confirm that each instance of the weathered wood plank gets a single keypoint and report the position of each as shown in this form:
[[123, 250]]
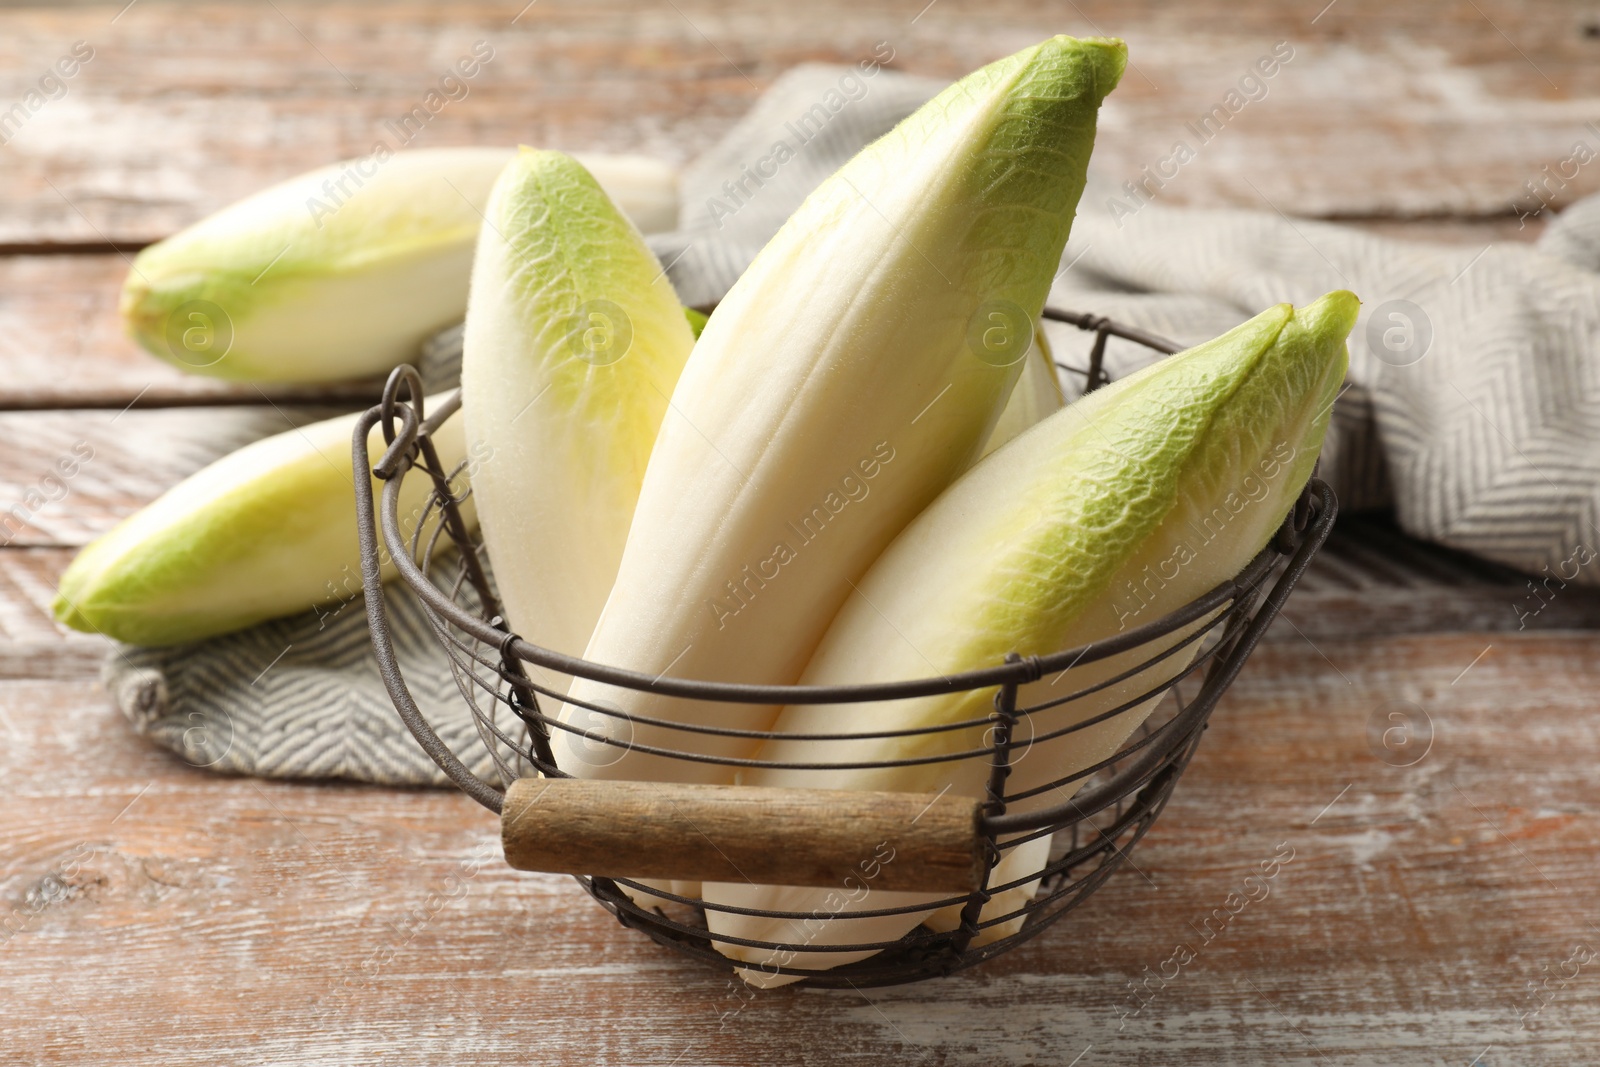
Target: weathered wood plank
[[235, 920], [1384, 109], [32, 645]]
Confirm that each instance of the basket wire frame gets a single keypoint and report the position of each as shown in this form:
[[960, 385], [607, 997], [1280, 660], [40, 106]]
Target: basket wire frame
[[502, 679]]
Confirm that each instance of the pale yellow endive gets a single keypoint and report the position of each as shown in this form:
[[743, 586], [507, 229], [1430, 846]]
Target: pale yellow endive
[[1181, 472], [341, 272], [574, 341], [847, 378]]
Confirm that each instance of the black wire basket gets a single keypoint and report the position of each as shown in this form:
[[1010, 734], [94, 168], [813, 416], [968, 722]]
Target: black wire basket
[[1109, 803]]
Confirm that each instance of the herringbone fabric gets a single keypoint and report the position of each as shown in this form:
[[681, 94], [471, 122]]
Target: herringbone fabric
[[300, 698], [1474, 404]]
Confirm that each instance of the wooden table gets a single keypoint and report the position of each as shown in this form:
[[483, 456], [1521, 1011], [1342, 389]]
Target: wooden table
[[1443, 912]]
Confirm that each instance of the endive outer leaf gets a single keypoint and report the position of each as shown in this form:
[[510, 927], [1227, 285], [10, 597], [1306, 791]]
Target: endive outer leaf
[[837, 390], [341, 272], [574, 341], [1036, 396], [1124, 506], [265, 531]]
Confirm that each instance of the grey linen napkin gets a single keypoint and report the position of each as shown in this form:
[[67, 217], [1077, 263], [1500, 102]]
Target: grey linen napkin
[[1472, 408]]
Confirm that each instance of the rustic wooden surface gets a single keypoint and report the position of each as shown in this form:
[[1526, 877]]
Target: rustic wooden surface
[[1444, 108], [1442, 912]]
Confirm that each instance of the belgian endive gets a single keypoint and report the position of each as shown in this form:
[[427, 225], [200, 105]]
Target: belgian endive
[[1118, 509], [341, 272], [851, 374], [574, 341], [265, 531]]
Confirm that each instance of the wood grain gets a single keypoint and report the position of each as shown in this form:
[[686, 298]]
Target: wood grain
[[32, 644], [768, 836], [1384, 110], [242, 921], [1427, 766]]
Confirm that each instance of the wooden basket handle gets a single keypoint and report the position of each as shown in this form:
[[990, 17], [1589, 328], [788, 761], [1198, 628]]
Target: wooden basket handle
[[728, 833]]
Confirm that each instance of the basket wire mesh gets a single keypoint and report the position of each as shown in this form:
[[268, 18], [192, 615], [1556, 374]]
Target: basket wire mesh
[[513, 692]]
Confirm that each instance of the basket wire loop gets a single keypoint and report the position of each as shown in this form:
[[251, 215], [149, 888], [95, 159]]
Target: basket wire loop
[[390, 467], [1112, 802]]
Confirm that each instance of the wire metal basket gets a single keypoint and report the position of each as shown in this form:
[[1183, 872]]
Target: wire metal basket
[[1109, 803]]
